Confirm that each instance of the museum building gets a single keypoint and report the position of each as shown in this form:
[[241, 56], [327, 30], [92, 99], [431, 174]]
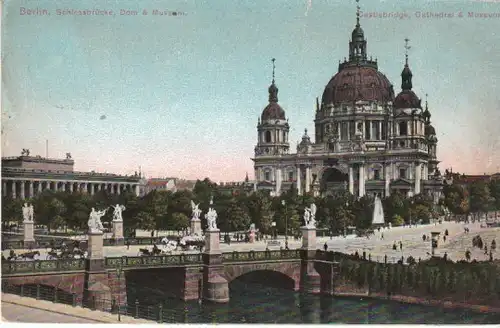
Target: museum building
[[26, 176], [368, 140]]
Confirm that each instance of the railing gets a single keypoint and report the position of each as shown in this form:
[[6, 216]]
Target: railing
[[42, 242], [134, 241], [112, 305], [18, 267], [261, 255], [330, 256], [149, 261]]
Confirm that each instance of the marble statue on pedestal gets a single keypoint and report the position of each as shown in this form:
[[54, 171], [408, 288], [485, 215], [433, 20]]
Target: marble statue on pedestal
[[211, 217], [310, 216], [94, 223], [28, 212], [196, 211], [117, 214]]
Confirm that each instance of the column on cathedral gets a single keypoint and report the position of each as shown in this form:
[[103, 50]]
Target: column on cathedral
[[361, 180], [40, 187], [13, 186], [387, 176], [299, 184], [417, 178], [137, 191], [4, 188], [31, 192], [22, 190], [379, 130], [351, 179], [71, 184], [278, 180], [118, 187], [63, 185], [92, 187], [56, 185], [308, 178]]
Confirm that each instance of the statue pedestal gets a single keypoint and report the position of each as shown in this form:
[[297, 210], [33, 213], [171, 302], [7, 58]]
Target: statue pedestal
[[251, 236], [29, 236], [215, 286], [196, 227], [309, 238], [95, 245], [212, 241], [117, 227]]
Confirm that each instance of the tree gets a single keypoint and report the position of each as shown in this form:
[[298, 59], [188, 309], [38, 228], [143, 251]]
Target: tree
[[456, 198], [180, 221], [237, 216], [421, 212], [156, 204], [480, 198], [397, 220], [145, 220], [394, 205], [11, 211], [260, 211], [494, 187], [204, 190], [363, 210], [55, 210]]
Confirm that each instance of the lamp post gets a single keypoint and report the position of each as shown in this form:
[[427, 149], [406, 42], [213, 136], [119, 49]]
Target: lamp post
[[273, 224], [286, 220], [345, 217], [411, 210], [119, 270]]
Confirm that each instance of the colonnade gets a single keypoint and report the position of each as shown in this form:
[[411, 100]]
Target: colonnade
[[416, 176], [27, 188]]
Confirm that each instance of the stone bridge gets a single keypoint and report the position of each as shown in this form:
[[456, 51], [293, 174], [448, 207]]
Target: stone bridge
[[187, 276]]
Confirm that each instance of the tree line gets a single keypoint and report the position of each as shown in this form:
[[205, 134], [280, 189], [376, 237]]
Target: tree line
[[165, 210]]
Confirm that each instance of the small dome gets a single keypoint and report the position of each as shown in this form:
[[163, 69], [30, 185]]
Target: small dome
[[407, 99], [273, 111], [358, 34]]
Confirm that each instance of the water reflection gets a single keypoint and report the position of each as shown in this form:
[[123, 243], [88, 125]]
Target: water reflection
[[252, 303]]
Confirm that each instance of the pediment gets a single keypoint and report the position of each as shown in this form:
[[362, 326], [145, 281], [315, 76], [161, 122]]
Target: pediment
[[401, 182]]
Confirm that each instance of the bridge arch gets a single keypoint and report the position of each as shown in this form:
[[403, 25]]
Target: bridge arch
[[285, 274]]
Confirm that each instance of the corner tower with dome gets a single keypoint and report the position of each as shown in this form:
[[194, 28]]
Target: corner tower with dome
[[367, 140]]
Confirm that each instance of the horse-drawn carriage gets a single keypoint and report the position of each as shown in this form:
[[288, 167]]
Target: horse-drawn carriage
[[168, 246]]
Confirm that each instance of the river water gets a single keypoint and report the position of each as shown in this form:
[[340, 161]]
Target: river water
[[258, 304]]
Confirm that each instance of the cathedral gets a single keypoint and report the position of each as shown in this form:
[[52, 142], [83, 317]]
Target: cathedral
[[367, 140]]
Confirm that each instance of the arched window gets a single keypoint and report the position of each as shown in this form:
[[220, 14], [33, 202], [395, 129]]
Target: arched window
[[403, 129], [267, 136]]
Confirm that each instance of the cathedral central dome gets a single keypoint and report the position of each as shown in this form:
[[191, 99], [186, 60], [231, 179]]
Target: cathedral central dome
[[358, 82]]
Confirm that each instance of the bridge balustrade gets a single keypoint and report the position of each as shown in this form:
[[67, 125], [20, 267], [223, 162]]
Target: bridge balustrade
[[148, 261], [17, 267], [261, 255]]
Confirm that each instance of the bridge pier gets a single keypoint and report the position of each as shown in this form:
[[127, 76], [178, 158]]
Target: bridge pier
[[117, 226], [215, 286], [96, 291], [310, 278], [29, 236]]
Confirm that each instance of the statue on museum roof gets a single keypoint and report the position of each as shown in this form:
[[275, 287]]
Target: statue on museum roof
[[68, 156], [25, 152]]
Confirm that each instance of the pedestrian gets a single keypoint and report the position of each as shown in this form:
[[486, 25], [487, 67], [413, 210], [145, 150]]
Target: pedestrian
[[445, 256], [491, 256], [382, 236], [444, 239], [128, 244], [325, 246]]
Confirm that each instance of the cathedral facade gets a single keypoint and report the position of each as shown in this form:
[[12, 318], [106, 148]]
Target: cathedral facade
[[367, 140]]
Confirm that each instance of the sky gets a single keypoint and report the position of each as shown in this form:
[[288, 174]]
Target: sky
[[180, 95]]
